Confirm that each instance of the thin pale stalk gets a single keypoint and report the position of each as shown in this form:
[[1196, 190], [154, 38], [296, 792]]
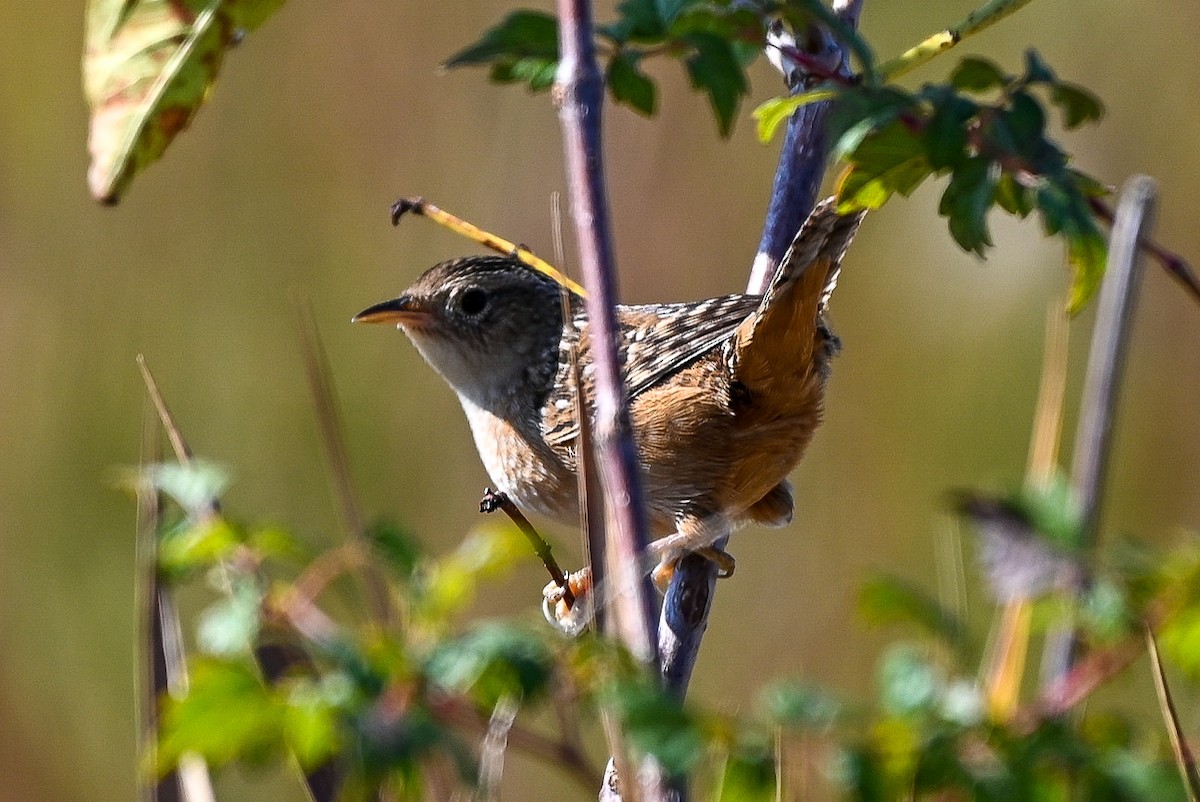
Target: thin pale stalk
[[579, 92], [1184, 758], [1106, 360], [329, 424], [983, 17]]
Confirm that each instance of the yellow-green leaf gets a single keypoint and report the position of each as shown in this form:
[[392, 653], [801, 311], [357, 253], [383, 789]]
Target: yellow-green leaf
[[772, 113]]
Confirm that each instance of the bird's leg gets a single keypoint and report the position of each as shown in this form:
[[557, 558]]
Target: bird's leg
[[692, 534]]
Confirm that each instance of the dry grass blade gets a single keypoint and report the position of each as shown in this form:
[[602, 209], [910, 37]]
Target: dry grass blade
[[316, 369], [1179, 745], [183, 452], [161, 666], [322, 783]]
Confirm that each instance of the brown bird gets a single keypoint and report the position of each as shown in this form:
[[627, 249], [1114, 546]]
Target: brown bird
[[724, 393]]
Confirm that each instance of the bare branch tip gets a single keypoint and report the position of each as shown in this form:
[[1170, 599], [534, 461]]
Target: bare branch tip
[[414, 204]]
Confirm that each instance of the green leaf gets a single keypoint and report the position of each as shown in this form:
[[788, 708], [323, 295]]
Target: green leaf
[[668, 10], [195, 547], [520, 35], [148, 66], [656, 723], [1089, 186], [886, 600], [975, 74], [312, 720], [892, 160], [1105, 611], [714, 69], [1014, 197], [638, 21], [861, 112], [227, 714], [966, 201], [1036, 70], [230, 627], [492, 662], [748, 778], [1179, 639], [858, 770], [946, 133], [1078, 104], [1064, 209], [396, 545], [194, 487], [538, 72], [908, 681], [1051, 510], [1023, 125], [629, 85], [1087, 252], [803, 707], [774, 112]]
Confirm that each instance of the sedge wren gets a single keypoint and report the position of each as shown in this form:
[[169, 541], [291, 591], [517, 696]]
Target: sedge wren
[[724, 393]]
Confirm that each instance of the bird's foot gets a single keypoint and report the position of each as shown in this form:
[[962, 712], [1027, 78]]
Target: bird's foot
[[665, 570], [569, 616]]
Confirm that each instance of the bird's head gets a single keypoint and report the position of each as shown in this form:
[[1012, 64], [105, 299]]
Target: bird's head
[[490, 325]]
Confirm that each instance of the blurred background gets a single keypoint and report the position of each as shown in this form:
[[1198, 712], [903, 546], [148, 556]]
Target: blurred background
[[317, 123]]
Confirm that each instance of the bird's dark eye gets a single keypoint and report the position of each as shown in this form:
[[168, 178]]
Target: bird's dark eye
[[473, 301]]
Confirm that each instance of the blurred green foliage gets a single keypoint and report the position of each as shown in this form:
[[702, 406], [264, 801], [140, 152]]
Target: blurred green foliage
[[45, 229], [388, 705]]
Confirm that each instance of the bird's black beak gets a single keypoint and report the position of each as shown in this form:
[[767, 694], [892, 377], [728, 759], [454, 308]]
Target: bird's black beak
[[403, 311]]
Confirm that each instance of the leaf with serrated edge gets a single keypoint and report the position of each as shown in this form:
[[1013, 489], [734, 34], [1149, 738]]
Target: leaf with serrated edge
[[1078, 104], [977, 75], [892, 160]]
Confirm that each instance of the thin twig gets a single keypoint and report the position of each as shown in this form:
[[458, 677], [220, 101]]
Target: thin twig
[[1184, 759], [1106, 360], [329, 424], [983, 17], [327, 567], [323, 782], [487, 239], [183, 453], [163, 668], [579, 93], [688, 602], [1172, 262], [493, 501]]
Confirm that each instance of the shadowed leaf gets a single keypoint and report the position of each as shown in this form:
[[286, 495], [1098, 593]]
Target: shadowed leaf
[[965, 203], [887, 600], [1078, 104], [977, 75], [715, 69], [493, 662], [889, 161], [631, 86]]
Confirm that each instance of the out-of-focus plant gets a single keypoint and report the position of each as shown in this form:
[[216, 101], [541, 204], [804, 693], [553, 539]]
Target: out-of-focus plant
[[409, 696]]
